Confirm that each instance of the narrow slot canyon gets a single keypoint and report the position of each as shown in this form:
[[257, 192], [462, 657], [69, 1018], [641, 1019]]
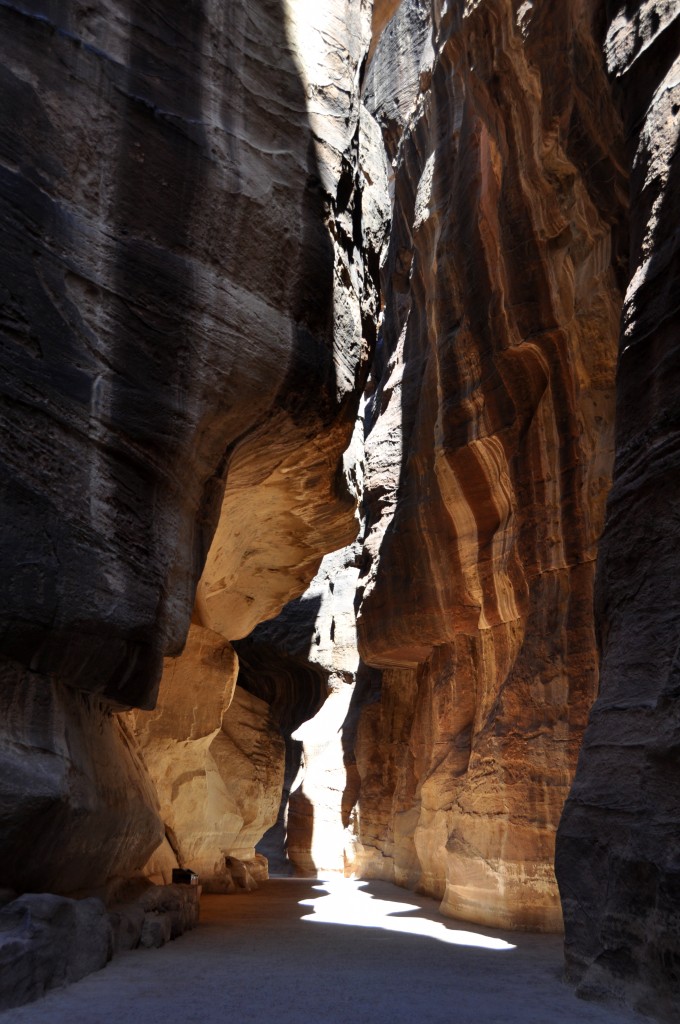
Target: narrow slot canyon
[[340, 459]]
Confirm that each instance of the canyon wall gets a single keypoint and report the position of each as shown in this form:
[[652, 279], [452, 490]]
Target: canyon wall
[[489, 445], [304, 664], [290, 496], [195, 207], [618, 850], [183, 340]]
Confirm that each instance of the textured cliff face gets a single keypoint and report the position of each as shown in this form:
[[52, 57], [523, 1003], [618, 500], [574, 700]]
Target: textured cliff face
[[489, 446], [617, 861], [194, 208], [215, 757], [182, 268], [304, 664], [291, 495], [77, 808], [164, 199]]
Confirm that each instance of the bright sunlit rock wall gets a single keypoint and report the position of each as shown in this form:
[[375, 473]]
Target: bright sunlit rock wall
[[489, 446]]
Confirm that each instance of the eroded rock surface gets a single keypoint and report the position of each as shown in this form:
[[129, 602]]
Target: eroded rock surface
[[77, 808], [489, 445], [216, 759], [188, 304], [47, 941], [290, 493], [289, 496], [305, 663], [181, 276], [617, 849]]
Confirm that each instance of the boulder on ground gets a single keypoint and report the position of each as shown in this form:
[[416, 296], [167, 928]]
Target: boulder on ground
[[48, 940]]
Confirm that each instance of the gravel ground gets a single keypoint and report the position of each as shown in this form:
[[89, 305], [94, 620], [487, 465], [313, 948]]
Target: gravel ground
[[328, 952]]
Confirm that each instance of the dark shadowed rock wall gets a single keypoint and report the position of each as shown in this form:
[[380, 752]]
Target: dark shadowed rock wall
[[182, 272], [168, 292], [618, 850]]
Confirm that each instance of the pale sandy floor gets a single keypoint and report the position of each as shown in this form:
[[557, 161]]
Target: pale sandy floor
[[328, 952]]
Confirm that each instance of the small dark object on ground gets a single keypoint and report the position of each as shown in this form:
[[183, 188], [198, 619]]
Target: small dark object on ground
[[184, 876]]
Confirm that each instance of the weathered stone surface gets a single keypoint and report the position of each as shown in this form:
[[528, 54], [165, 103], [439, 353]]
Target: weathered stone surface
[[160, 865], [314, 522], [176, 178], [217, 761], [239, 877], [294, 690], [305, 663], [48, 940], [127, 922], [489, 445], [188, 302], [77, 808], [179, 904], [321, 809], [198, 687], [156, 930], [282, 509], [196, 691], [158, 914], [618, 861]]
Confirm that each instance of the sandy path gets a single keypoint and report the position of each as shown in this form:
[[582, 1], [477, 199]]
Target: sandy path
[[264, 957]]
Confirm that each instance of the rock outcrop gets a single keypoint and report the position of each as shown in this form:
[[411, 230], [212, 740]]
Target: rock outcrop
[[188, 305], [305, 664], [489, 445], [216, 759], [617, 853], [290, 493], [47, 941], [165, 198], [195, 203], [77, 809]]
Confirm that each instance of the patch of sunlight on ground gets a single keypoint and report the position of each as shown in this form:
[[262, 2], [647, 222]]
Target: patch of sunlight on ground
[[345, 903]]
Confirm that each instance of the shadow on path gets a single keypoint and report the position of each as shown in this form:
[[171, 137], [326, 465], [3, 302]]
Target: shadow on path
[[302, 950]]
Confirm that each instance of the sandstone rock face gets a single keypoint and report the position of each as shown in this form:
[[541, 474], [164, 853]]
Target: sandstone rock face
[[617, 850], [188, 302], [47, 941], [175, 182], [216, 759], [289, 497], [489, 446], [291, 494], [77, 808], [304, 663]]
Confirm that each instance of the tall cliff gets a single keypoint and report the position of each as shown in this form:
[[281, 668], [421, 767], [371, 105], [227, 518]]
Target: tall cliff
[[291, 495], [181, 274], [489, 445], [196, 288], [618, 846]]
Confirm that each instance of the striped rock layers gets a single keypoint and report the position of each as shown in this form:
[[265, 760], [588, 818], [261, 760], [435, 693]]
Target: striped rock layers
[[489, 445]]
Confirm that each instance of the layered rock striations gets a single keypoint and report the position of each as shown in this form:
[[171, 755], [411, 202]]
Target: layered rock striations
[[617, 851], [187, 311], [194, 206], [164, 200], [489, 445]]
